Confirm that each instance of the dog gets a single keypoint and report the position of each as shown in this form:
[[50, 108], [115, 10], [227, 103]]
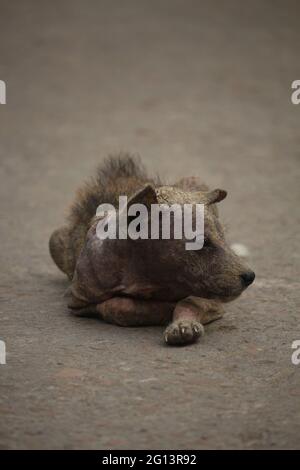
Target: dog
[[144, 281]]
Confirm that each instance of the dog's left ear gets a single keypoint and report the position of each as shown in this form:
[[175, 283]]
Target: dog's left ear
[[216, 195], [212, 197]]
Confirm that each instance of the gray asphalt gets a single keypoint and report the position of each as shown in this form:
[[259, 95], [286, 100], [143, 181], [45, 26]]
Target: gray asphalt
[[195, 87]]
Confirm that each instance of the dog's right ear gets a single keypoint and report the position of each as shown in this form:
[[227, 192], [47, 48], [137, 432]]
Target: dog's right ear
[[147, 196]]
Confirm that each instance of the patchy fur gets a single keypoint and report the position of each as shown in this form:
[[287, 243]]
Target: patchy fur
[[146, 282], [121, 174]]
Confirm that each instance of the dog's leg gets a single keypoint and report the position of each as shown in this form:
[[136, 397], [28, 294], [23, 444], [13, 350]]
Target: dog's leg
[[59, 249], [189, 317], [125, 311]]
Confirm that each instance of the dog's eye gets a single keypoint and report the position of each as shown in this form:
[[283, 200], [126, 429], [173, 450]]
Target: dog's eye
[[207, 243]]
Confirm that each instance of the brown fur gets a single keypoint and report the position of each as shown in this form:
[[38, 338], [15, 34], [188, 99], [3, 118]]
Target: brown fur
[[143, 282], [121, 174]]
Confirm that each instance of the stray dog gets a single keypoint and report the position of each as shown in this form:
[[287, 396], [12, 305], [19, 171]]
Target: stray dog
[[147, 282]]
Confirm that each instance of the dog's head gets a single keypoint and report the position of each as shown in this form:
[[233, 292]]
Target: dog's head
[[156, 267], [214, 271]]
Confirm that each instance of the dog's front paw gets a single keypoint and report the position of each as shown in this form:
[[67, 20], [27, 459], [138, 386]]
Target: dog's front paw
[[183, 332]]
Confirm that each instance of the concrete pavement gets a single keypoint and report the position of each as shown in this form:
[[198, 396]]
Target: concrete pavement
[[196, 87]]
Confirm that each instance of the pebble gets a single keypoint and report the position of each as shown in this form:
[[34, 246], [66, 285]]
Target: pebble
[[240, 249]]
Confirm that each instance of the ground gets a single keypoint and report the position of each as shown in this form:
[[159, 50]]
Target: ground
[[196, 88]]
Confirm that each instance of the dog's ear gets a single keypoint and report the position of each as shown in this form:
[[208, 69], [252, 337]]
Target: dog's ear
[[216, 195], [146, 195], [212, 197]]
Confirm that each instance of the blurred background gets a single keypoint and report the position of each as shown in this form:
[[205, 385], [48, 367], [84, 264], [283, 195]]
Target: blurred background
[[196, 88]]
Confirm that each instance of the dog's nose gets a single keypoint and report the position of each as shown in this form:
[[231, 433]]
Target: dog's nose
[[247, 278]]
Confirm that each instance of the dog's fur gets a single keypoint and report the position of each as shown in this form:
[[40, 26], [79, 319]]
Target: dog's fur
[[145, 282]]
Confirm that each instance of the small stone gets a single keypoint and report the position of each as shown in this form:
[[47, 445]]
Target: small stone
[[240, 249]]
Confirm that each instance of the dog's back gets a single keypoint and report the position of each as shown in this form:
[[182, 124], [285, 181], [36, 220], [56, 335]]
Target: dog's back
[[118, 175]]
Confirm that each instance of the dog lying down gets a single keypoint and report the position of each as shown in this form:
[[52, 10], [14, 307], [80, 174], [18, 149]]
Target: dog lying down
[[147, 281]]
